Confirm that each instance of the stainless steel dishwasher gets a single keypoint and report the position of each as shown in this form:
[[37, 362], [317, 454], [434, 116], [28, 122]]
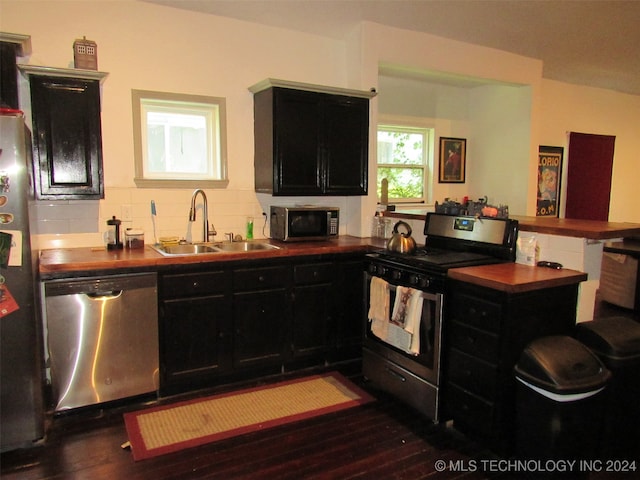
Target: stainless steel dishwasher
[[102, 338]]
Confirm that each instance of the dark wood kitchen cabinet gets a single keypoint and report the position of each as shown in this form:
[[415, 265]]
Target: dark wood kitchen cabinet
[[310, 142], [348, 305], [485, 331], [67, 133], [238, 320], [12, 45], [260, 316], [195, 329], [312, 310], [8, 75]]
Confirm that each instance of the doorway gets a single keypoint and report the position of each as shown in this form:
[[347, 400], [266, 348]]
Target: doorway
[[590, 166]]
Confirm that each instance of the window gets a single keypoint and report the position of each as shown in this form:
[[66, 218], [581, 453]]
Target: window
[[179, 140], [403, 159]]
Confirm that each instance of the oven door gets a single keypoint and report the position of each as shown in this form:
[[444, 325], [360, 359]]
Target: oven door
[[426, 364]]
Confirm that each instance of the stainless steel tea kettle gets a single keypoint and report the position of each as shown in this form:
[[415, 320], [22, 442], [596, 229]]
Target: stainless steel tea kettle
[[401, 242]]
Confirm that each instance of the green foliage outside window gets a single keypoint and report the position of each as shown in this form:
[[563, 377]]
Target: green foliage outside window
[[401, 160]]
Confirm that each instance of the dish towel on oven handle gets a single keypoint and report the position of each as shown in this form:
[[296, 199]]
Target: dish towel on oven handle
[[407, 312], [379, 307]]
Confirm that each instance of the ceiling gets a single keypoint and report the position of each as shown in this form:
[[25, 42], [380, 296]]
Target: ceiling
[[584, 42]]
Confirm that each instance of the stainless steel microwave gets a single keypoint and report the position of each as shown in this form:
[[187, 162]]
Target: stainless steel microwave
[[294, 224]]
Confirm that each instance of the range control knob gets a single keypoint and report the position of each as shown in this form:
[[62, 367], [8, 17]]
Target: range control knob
[[396, 274]]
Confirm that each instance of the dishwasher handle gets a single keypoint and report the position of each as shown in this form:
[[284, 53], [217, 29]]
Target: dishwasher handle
[[108, 295], [100, 286]]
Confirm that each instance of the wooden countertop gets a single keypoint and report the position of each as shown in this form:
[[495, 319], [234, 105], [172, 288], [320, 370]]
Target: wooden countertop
[[516, 278], [509, 277], [626, 247], [78, 260], [590, 229]]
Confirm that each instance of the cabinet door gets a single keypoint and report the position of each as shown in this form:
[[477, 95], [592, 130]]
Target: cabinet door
[[312, 310], [195, 340], [8, 75], [261, 328], [349, 308], [297, 124], [67, 138], [346, 145]]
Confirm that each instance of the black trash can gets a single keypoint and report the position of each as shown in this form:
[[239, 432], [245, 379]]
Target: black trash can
[[559, 400], [616, 341]]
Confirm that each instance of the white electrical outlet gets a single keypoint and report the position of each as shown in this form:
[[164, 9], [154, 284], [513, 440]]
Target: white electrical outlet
[[126, 213]]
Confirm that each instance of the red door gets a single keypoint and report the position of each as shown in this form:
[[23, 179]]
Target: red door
[[590, 164]]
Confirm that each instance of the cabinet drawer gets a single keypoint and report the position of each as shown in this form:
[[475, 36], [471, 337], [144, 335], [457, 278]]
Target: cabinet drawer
[[313, 273], [469, 411], [475, 342], [259, 278], [192, 284], [403, 384], [477, 312], [473, 374]]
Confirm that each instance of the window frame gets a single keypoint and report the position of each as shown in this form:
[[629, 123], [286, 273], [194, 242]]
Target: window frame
[[181, 102], [403, 125]]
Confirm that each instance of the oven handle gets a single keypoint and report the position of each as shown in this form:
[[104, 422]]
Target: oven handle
[[395, 374], [425, 295]]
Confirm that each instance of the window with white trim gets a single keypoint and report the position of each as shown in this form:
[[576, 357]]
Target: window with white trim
[[403, 159], [179, 140]]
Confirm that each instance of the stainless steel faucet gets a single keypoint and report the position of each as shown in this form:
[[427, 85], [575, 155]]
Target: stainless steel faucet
[[206, 233]]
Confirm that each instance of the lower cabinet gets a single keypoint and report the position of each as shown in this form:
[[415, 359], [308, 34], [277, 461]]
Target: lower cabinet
[[195, 329], [260, 317], [485, 331], [312, 310], [248, 319]]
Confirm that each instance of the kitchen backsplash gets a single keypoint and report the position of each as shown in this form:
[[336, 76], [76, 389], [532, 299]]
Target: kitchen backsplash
[[75, 223]]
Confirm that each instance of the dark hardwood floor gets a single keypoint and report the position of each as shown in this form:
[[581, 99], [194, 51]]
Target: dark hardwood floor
[[381, 440]]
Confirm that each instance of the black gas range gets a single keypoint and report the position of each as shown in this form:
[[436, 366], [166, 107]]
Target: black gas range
[[451, 242]]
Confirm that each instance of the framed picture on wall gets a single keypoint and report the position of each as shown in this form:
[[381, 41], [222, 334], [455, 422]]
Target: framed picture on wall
[[549, 175], [453, 158]]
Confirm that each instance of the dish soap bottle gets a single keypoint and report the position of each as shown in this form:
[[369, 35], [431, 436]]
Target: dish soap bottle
[[249, 228]]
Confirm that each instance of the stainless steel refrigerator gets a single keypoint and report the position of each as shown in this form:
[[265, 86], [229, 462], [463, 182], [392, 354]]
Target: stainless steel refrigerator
[[21, 352]]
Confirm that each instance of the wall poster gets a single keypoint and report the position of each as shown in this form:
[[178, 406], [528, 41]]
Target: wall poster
[[453, 160], [549, 176]]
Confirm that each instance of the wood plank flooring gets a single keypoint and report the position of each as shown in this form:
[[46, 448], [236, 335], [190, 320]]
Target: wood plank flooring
[[381, 440]]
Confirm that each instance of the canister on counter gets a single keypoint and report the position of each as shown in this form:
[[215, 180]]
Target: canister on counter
[[133, 238]]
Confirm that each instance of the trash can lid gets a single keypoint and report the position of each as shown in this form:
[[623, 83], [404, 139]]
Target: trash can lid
[[561, 365], [615, 340]]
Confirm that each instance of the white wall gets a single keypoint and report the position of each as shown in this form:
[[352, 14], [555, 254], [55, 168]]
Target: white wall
[[571, 108], [145, 46]]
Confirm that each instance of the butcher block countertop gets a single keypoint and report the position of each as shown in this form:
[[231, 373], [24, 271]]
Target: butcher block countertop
[[65, 261], [516, 278], [591, 229]]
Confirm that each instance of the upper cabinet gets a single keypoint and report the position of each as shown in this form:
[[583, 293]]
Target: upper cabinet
[[12, 45], [67, 134], [310, 140]]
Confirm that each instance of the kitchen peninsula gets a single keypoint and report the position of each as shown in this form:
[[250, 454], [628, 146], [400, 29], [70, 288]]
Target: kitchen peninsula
[[576, 244]]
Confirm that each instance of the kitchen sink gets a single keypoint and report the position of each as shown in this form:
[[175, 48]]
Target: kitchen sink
[[245, 246], [186, 249], [204, 248]]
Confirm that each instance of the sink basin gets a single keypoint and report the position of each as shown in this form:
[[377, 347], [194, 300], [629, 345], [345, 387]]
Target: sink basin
[[186, 249], [202, 248], [245, 246]]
